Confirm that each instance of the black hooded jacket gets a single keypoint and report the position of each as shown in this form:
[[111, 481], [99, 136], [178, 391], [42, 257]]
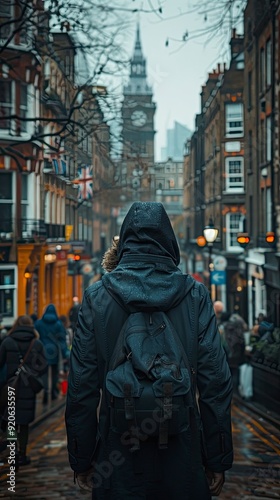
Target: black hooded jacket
[[13, 347], [146, 278]]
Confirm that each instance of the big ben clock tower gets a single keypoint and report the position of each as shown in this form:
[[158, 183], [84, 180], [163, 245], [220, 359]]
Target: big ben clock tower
[[138, 111]]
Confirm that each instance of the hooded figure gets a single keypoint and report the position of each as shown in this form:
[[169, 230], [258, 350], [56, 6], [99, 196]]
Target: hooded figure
[[13, 348], [146, 278], [53, 336]]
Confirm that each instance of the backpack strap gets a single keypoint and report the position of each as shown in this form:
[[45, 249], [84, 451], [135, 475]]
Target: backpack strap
[[23, 359], [129, 409], [167, 415]]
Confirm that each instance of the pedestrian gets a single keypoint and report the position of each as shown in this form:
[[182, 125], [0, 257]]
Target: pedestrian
[[146, 278], [234, 330], [13, 348], [69, 339], [73, 314], [223, 319], [219, 308], [53, 336], [34, 317]]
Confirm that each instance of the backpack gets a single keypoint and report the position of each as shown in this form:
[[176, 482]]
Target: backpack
[[23, 374], [149, 382]]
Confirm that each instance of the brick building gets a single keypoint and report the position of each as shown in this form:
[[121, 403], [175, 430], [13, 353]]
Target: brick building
[[232, 167], [215, 181], [52, 132]]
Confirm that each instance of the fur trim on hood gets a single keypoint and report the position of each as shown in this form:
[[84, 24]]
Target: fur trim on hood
[[110, 259]]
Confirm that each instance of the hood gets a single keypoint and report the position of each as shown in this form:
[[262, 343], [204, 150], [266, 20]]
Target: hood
[[50, 314], [24, 333], [146, 229], [147, 277]]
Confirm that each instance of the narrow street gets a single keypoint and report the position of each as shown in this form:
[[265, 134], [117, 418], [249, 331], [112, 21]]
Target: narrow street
[[256, 471]]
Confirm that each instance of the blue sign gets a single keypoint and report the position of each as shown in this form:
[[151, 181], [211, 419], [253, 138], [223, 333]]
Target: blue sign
[[218, 278]]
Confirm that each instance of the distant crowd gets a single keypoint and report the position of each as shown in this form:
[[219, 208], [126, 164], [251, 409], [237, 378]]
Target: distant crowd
[[34, 356]]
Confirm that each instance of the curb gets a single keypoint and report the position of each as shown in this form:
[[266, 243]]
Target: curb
[[44, 415], [274, 419]]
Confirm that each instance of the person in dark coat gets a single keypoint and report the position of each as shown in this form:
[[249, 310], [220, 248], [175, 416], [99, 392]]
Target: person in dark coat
[[14, 347], [53, 336], [147, 278], [73, 314], [234, 330]]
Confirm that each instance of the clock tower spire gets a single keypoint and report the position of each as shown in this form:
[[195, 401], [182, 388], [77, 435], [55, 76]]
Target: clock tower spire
[[138, 111]]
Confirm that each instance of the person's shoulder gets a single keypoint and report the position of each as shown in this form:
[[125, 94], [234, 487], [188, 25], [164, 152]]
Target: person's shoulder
[[5, 342], [59, 325], [93, 289], [8, 343], [38, 344], [197, 287]]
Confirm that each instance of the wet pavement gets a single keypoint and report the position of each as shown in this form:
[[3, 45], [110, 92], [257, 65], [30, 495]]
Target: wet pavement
[[255, 474]]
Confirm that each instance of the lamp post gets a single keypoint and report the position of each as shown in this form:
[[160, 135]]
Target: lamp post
[[210, 234]]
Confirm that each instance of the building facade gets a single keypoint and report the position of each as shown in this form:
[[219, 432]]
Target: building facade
[[231, 171], [53, 140], [214, 179]]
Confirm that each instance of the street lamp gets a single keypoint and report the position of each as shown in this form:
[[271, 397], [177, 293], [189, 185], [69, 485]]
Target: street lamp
[[210, 234]]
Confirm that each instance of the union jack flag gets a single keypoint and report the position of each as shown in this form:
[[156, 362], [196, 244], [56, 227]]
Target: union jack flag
[[85, 183]]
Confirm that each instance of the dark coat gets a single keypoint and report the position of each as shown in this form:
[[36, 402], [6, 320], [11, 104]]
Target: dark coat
[[73, 315], [19, 341], [52, 335], [234, 340], [147, 278]]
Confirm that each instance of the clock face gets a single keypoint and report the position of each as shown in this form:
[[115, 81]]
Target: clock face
[[137, 69], [138, 118]]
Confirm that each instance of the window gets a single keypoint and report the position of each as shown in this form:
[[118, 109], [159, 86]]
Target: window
[[262, 145], [262, 70], [234, 223], [6, 202], [268, 138], [250, 147], [5, 18], [234, 167], [268, 63], [240, 61], [24, 196], [268, 210], [5, 104], [23, 107], [251, 212], [234, 120], [7, 291], [249, 90], [262, 215]]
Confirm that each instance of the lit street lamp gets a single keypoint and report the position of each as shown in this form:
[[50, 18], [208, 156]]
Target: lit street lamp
[[210, 234]]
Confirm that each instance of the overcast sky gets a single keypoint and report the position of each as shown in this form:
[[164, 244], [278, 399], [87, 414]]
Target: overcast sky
[[176, 71]]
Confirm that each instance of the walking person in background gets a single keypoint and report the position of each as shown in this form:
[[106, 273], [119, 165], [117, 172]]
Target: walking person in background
[[145, 278], [69, 339], [53, 336], [234, 330], [13, 348], [219, 308], [73, 314]]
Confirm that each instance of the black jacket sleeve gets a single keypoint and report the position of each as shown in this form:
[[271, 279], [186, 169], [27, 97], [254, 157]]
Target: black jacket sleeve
[[83, 392], [215, 390]]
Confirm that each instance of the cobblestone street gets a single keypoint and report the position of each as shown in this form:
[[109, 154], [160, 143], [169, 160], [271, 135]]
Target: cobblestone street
[[256, 471]]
